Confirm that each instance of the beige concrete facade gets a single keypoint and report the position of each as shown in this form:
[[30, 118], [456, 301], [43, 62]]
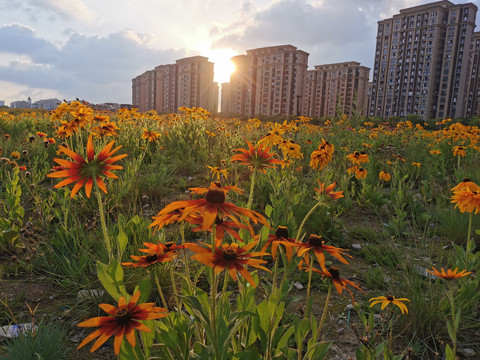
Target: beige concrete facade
[[268, 81], [332, 87], [472, 98], [188, 82], [420, 61]]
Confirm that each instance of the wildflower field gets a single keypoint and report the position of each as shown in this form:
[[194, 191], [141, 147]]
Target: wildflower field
[[187, 236]]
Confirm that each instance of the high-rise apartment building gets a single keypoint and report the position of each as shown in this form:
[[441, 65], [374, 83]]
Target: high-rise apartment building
[[421, 60], [332, 87], [268, 81], [472, 98], [188, 82]]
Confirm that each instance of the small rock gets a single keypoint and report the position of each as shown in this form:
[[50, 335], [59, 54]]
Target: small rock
[[51, 297], [190, 178], [340, 331], [467, 352], [340, 321], [423, 272], [356, 246], [349, 307], [297, 285]]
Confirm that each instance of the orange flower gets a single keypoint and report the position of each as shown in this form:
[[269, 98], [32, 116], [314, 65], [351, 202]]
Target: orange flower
[[417, 164], [41, 134], [449, 274], [150, 135], [231, 258], [360, 173], [384, 176], [212, 206], [358, 158], [329, 190], [467, 201], [466, 184], [280, 236], [221, 226], [258, 157], [459, 151], [86, 171], [338, 282], [317, 245], [156, 253], [121, 321]]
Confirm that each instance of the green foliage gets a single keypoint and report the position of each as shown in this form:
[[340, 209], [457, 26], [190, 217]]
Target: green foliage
[[11, 221], [47, 342]]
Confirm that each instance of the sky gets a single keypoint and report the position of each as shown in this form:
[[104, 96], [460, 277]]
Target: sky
[[92, 49]]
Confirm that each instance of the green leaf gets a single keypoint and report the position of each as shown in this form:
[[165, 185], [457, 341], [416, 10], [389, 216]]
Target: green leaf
[[318, 351], [451, 333], [449, 355], [111, 277], [122, 240], [359, 354], [268, 210]]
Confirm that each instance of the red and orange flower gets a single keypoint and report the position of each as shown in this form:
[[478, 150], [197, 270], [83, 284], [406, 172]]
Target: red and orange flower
[[449, 274], [230, 257], [213, 206], [87, 171], [340, 283], [156, 253], [258, 157], [121, 321]]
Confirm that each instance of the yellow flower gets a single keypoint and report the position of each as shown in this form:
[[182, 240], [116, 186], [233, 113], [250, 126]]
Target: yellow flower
[[390, 299], [360, 173], [384, 176], [416, 164], [435, 152], [217, 171]]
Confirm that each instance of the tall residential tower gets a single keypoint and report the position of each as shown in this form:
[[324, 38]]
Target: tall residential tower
[[421, 60]]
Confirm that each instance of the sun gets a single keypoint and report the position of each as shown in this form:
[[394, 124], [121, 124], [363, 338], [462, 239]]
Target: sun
[[223, 67]]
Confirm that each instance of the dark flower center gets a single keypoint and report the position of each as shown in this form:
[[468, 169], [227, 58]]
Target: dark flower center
[[315, 240], [218, 221], [281, 232], [151, 258], [215, 196], [466, 180], [123, 316], [390, 297], [229, 255], [334, 272]]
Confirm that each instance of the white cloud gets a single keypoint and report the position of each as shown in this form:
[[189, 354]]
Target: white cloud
[[96, 68]]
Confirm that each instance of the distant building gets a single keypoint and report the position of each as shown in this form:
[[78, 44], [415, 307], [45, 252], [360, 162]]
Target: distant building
[[2, 102], [188, 82], [21, 104], [225, 99], [106, 107], [340, 86], [48, 104], [421, 62]]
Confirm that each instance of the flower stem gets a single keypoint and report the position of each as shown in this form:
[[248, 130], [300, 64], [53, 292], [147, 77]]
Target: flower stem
[[213, 296], [252, 186], [174, 288], [308, 308], [468, 250], [299, 232], [108, 244], [325, 309], [185, 259], [159, 288]]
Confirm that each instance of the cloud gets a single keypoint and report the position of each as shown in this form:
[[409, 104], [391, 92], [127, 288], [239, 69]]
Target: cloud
[[331, 31], [71, 9], [96, 68]]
